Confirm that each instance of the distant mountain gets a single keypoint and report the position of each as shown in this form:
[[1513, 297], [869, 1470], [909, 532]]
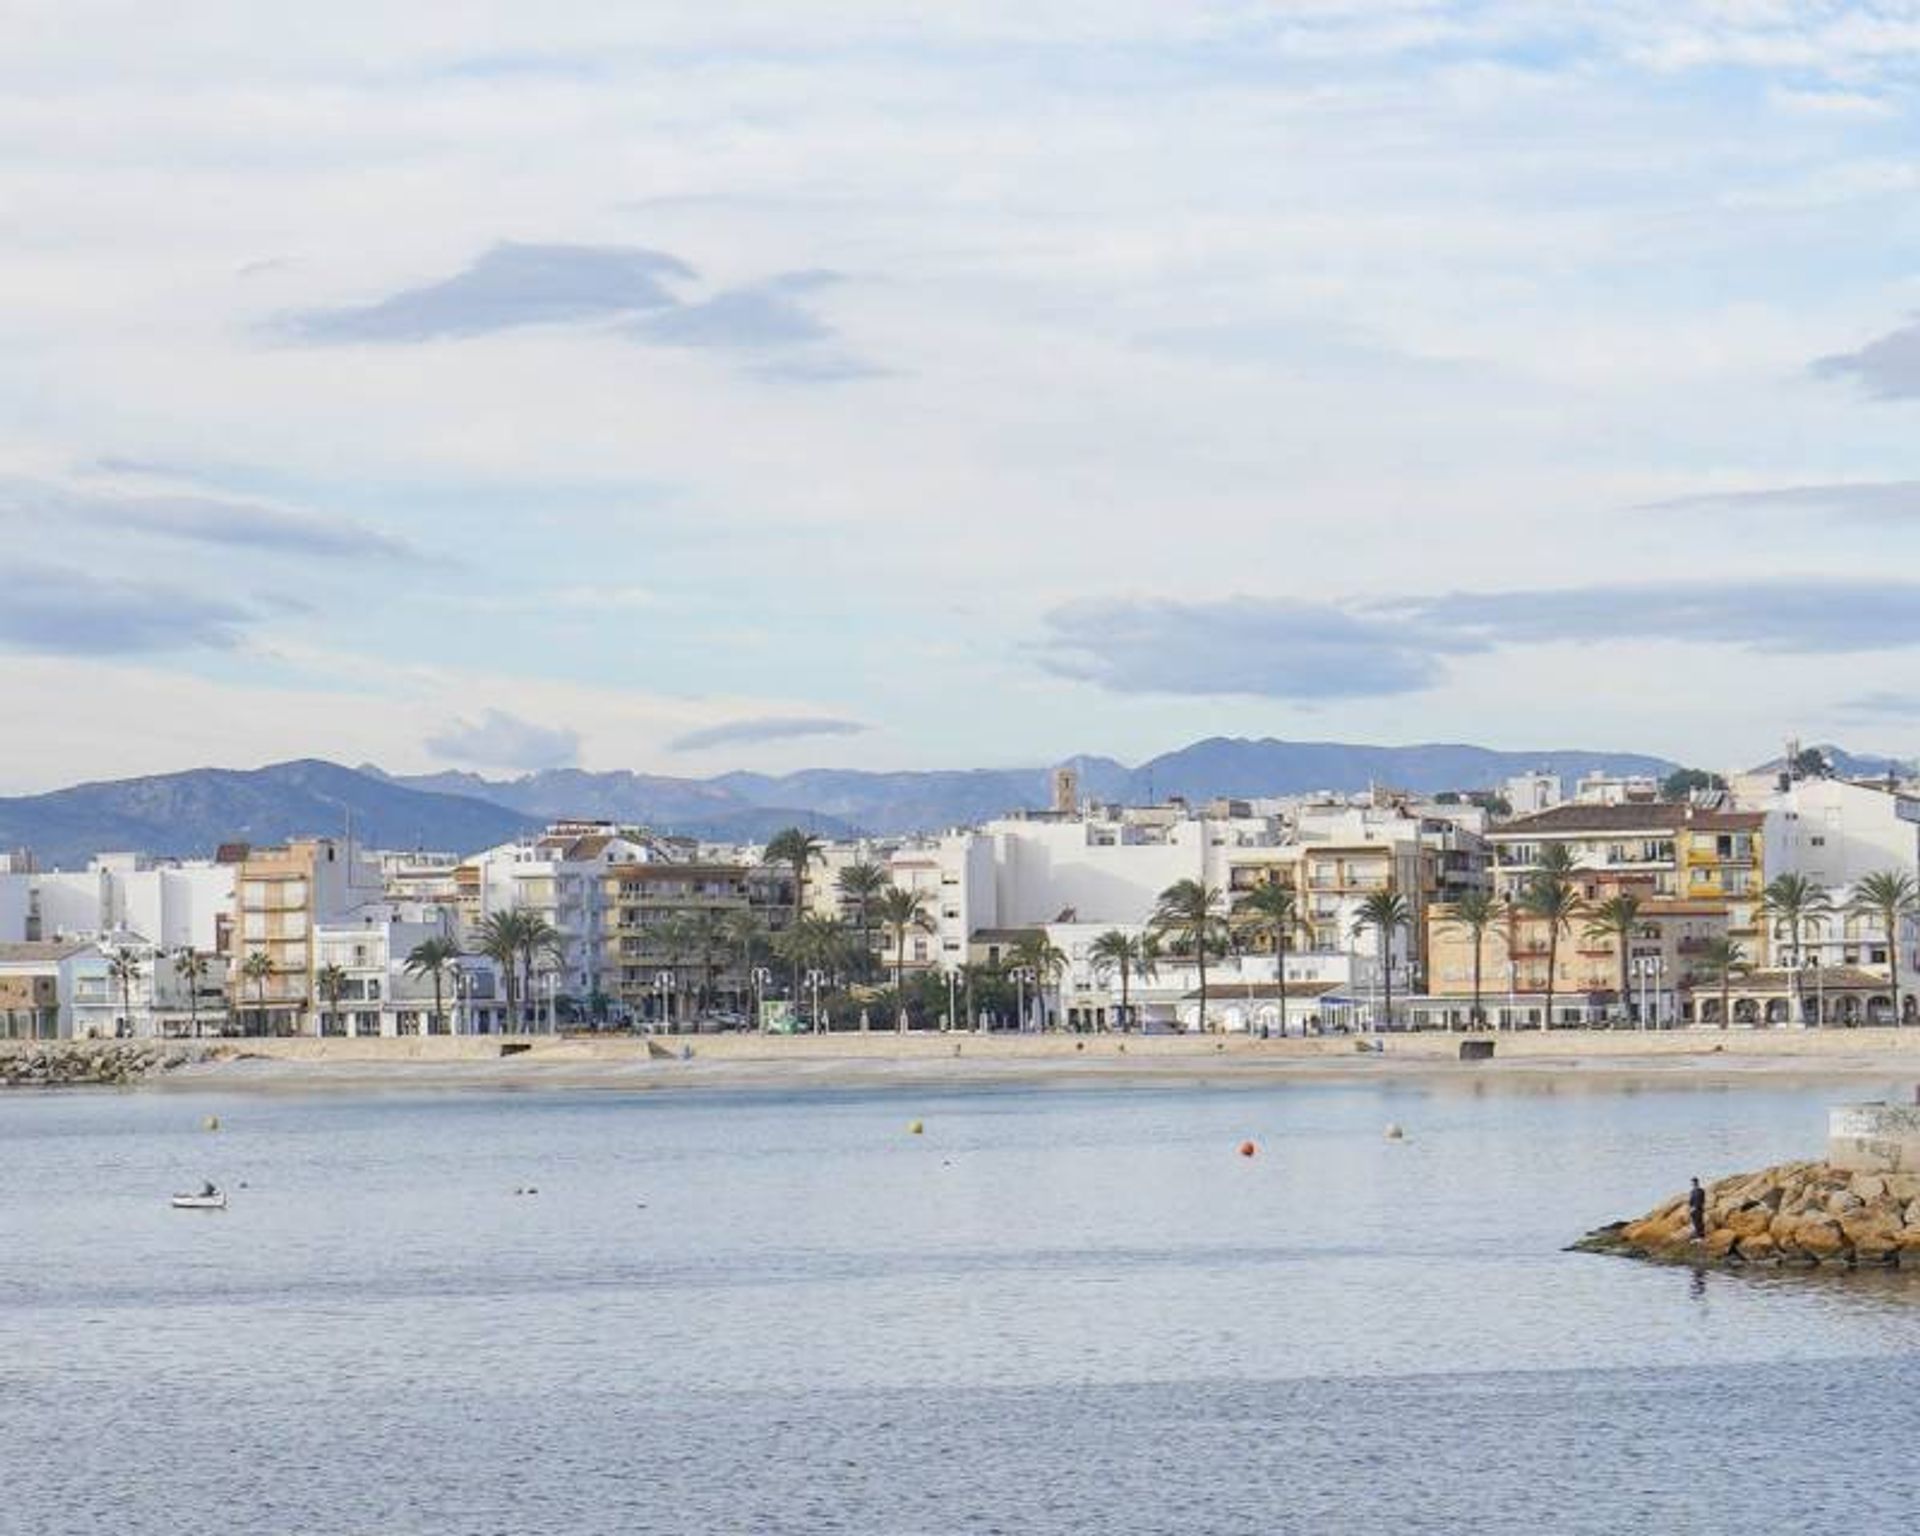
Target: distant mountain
[[691, 807], [1850, 765], [190, 814], [1231, 765], [841, 801]]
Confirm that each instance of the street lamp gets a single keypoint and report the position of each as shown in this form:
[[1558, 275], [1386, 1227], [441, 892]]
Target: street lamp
[[663, 998], [761, 978], [814, 979], [953, 983], [1021, 974], [1647, 969]]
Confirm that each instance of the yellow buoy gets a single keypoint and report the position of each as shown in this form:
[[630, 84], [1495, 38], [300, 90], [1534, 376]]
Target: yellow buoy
[[1394, 1132], [915, 1128], [212, 1122]]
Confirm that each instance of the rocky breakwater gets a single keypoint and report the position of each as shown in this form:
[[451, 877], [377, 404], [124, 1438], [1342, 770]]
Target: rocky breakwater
[[79, 1064], [1797, 1215]]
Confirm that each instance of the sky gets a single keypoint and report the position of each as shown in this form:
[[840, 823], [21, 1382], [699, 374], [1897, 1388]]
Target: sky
[[683, 387]]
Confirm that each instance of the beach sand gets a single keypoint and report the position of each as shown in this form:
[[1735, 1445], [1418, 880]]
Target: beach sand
[[1888, 1061]]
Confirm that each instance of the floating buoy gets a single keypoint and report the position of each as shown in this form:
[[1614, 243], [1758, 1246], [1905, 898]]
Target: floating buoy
[[915, 1128], [1394, 1133], [211, 1123], [1247, 1149]]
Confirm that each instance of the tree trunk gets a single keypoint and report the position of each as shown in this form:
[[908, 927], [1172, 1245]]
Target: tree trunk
[[1200, 953], [1280, 974], [1553, 966], [1477, 1014], [1386, 971]]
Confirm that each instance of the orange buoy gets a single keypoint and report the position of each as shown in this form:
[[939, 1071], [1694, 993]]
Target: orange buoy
[[1247, 1149]]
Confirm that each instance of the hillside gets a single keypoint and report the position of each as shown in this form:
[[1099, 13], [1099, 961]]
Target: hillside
[[189, 814]]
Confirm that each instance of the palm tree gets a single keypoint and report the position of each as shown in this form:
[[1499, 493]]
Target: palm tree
[[1188, 917], [798, 850], [434, 957], [191, 967], [539, 940], [862, 884], [746, 936], [1796, 903], [1385, 912], [1117, 951], [813, 943], [1614, 921], [1551, 896], [499, 940], [1476, 912], [706, 937], [900, 911], [124, 969], [332, 982], [1891, 897], [1723, 959], [258, 969], [1275, 906], [1035, 952]]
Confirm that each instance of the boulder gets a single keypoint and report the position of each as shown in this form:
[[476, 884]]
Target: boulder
[[1723, 1244], [1820, 1236], [1748, 1221]]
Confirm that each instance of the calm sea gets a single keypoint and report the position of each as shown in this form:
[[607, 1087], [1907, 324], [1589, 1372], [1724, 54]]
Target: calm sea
[[1055, 1311]]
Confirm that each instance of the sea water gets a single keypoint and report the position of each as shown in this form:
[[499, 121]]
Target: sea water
[[1057, 1310]]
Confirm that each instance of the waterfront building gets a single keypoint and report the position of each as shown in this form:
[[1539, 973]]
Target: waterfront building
[[281, 895]]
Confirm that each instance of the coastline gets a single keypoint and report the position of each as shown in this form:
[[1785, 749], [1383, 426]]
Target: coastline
[[1885, 1060]]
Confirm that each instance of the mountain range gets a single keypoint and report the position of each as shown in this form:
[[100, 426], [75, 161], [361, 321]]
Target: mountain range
[[191, 813]]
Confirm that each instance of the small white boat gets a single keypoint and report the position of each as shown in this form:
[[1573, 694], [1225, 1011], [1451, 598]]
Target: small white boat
[[217, 1201]]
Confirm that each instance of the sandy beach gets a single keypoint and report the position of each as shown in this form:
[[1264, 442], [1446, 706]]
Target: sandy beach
[[1887, 1061]]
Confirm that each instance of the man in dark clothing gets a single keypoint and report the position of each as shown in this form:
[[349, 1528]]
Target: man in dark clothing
[[1697, 1210]]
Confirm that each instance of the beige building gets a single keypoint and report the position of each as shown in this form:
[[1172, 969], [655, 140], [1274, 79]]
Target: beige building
[[280, 895]]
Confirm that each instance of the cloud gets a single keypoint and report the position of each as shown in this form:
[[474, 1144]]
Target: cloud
[[1283, 648], [764, 728], [1887, 369], [500, 740], [1864, 501], [1881, 703], [755, 317], [1795, 616], [510, 285], [55, 610], [200, 519], [1277, 648]]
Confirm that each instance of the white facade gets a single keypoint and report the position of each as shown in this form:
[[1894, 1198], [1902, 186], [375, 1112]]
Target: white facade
[[171, 906], [381, 997], [162, 1002], [1834, 832], [561, 875]]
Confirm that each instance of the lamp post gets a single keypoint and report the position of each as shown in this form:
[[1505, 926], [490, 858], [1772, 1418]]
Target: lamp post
[[553, 998], [814, 980], [663, 997], [761, 978], [953, 982], [462, 1002], [1021, 974], [1646, 970], [1513, 1000]]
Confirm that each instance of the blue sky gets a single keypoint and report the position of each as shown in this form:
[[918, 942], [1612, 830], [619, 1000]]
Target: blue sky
[[680, 388]]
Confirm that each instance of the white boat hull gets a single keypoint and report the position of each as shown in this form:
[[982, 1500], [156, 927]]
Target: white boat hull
[[200, 1202]]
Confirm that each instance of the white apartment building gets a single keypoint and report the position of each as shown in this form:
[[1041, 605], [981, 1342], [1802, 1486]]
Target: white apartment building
[[380, 997], [561, 874], [162, 1001], [1834, 832], [172, 905]]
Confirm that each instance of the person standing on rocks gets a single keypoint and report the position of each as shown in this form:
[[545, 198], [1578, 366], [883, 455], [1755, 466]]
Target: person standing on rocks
[[1697, 1210]]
